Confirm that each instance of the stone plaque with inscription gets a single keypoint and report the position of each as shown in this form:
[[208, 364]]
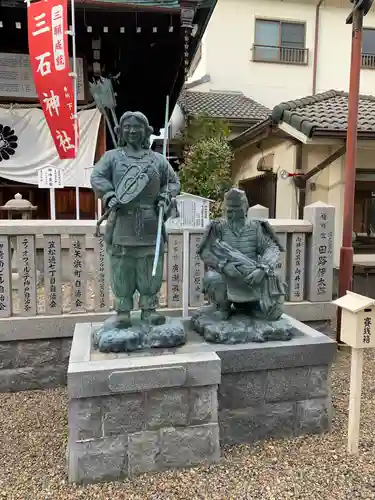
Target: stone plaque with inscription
[[296, 267], [196, 272], [52, 274], [101, 284], [175, 262], [79, 275], [320, 252], [281, 266], [5, 278], [26, 275]]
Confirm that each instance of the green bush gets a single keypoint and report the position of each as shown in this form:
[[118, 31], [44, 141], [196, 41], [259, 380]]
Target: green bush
[[206, 170]]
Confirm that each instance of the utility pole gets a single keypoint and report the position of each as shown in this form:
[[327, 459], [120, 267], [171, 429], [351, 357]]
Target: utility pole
[[360, 9]]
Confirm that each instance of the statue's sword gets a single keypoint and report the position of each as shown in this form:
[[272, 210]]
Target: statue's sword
[[162, 208]]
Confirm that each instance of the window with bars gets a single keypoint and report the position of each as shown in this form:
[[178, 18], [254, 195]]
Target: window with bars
[[368, 48], [280, 41]]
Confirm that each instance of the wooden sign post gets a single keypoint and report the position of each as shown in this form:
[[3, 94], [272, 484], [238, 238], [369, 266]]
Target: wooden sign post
[[357, 330]]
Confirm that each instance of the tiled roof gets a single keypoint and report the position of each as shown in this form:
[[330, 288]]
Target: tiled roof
[[326, 112], [231, 106]]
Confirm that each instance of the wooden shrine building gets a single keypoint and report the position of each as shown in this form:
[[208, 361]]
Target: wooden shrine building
[[141, 43]]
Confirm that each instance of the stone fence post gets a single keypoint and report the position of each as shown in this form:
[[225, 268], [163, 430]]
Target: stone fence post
[[258, 212], [319, 261]]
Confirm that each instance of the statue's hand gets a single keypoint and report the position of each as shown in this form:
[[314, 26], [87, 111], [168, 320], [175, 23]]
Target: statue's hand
[[256, 277], [164, 200], [112, 202]]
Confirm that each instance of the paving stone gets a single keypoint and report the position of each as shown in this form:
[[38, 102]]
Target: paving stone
[[240, 390], [202, 405], [313, 416], [85, 419], [166, 408], [297, 383], [189, 446], [143, 452], [123, 413], [246, 425]]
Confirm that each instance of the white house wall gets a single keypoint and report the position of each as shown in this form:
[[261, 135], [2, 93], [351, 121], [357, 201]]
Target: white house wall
[[334, 52], [329, 184], [227, 51], [245, 168]]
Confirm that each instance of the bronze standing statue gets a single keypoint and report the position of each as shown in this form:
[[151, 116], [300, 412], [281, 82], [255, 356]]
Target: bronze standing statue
[[135, 184], [246, 294]]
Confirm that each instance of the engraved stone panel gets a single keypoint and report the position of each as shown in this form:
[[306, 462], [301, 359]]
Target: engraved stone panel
[[281, 267], [79, 278], [196, 272], [320, 252], [26, 275], [101, 283], [175, 264], [296, 267], [52, 274], [5, 278]]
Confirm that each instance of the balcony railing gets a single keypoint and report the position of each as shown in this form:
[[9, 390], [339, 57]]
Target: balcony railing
[[368, 61], [278, 54]]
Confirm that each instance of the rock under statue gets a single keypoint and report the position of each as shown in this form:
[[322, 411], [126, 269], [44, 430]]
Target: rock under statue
[[138, 188], [245, 292]]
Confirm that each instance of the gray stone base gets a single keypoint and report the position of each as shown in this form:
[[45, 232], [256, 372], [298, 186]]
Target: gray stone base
[[132, 413], [33, 364], [277, 389]]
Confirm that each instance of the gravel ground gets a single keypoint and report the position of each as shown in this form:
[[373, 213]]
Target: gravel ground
[[33, 433]]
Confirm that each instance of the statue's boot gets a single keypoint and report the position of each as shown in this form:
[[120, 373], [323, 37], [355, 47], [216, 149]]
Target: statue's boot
[[120, 321], [152, 317]]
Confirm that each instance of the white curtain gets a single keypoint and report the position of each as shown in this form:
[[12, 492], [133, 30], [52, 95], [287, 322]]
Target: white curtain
[[35, 147]]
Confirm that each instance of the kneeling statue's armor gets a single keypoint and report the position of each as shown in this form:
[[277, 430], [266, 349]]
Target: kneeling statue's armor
[[241, 257]]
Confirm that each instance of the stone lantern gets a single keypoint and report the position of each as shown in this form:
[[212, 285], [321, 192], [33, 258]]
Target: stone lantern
[[18, 208]]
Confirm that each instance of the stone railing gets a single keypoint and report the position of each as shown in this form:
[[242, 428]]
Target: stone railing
[[54, 274]]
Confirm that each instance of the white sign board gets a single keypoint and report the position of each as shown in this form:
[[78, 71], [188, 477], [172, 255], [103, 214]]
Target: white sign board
[[16, 78], [194, 212], [50, 177]]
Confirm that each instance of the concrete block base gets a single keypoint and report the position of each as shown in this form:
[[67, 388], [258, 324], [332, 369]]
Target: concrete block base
[[133, 413], [276, 389], [140, 412]]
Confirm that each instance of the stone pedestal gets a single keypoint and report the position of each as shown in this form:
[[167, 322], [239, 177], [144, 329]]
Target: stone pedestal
[[155, 409], [276, 389], [140, 412]]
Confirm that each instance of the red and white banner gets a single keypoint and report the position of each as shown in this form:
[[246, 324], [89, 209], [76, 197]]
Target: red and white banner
[[48, 47]]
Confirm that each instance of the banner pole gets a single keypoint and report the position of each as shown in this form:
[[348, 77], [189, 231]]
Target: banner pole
[[52, 203], [75, 89]]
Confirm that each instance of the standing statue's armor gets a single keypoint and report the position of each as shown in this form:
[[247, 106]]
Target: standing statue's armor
[[135, 181], [241, 257]]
